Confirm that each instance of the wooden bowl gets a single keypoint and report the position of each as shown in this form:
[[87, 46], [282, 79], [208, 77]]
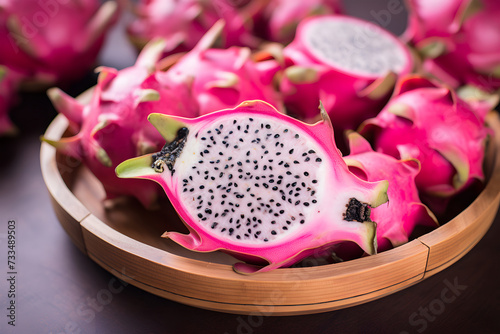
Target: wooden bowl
[[125, 240]]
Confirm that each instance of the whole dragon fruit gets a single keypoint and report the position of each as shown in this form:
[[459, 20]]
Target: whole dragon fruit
[[349, 64], [54, 41], [397, 218], [9, 82], [426, 121], [258, 184], [223, 78], [182, 23], [459, 40], [281, 17], [113, 127]]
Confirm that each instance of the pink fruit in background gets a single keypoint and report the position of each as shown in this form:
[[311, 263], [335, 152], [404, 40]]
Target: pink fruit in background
[[426, 121], [9, 81], [111, 127], [459, 40], [182, 23], [53, 41], [349, 64], [397, 218], [223, 78], [258, 184], [281, 17]]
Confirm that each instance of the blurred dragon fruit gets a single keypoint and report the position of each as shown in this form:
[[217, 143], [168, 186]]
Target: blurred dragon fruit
[[223, 78], [281, 17], [53, 41], [9, 82], [113, 126], [458, 40], [349, 64], [397, 219], [182, 23], [428, 122]]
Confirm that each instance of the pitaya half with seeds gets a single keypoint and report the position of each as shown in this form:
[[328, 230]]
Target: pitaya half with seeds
[[113, 127], [258, 184], [397, 218], [458, 40], [182, 23], [426, 121], [9, 81], [223, 78], [53, 42], [349, 64]]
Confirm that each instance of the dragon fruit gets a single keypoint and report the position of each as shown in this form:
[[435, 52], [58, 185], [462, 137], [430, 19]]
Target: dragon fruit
[[223, 78], [397, 219], [258, 184], [347, 63], [112, 127], [281, 17], [182, 23], [9, 81], [428, 122], [458, 40], [53, 41]]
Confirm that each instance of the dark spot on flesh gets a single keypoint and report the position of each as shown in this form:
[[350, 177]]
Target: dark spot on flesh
[[357, 211]]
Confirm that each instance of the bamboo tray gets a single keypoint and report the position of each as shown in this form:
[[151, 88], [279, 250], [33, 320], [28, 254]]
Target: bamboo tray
[[125, 240]]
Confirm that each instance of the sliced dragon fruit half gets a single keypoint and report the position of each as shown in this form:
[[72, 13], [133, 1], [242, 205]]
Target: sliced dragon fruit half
[[260, 185], [349, 64]]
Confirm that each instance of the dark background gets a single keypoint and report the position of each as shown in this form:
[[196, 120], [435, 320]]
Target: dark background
[[57, 284]]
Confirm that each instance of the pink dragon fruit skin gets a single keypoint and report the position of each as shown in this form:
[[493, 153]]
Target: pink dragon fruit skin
[[459, 41], [53, 41], [9, 82], [112, 127], [242, 207], [426, 121], [325, 64], [281, 17], [182, 23], [397, 218], [223, 78]]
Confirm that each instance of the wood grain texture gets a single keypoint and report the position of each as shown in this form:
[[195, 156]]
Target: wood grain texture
[[125, 240]]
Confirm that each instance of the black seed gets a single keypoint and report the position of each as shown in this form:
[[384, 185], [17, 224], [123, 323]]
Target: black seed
[[318, 160], [214, 225], [306, 174], [200, 215], [291, 151], [273, 232]]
